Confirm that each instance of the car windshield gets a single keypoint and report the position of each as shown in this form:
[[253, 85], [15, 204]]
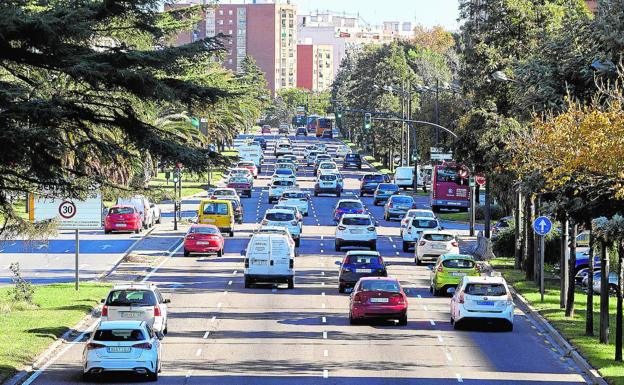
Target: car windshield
[[328, 177], [363, 259], [284, 171], [281, 183], [387, 187], [283, 145], [373, 178], [352, 156], [240, 171], [380, 285], [215, 209], [121, 210], [356, 221], [224, 192], [131, 297], [458, 263], [485, 289], [402, 200], [350, 205], [438, 237], [238, 179], [280, 217], [424, 223], [203, 230], [424, 214], [285, 207], [119, 335]]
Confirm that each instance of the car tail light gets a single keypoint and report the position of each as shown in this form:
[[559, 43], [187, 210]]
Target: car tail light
[[104, 311], [190, 236], [370, 228], [93, 346], [397, 298], [357, 298], [454, 244], [157, 312], [422, 243], [440, 269], [213, 197], [461, 297], [341, 227], [144, 345], [264, 222]]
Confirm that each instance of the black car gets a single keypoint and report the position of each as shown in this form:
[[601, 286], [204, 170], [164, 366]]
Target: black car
[[301, 131], [369, 183], [358, 264], [327, 134], [262, 142], [283, 130], [352, 160]]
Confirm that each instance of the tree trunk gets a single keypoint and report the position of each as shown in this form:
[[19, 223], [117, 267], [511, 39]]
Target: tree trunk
[[518, 231], [569, 310], [488, 204], [537, 208], [563, 261], [604, 294], [529, 236], [589, 315], [618, 314]]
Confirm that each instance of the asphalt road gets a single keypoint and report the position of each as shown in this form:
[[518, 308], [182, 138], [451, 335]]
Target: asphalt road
[[221, 333]]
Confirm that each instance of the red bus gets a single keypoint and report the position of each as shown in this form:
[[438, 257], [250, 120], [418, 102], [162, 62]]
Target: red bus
[[449, 187]]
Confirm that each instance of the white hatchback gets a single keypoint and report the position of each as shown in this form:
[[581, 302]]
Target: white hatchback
[[342, 151], [224, 193], [482, 298], [283, 218], [142, 302], [122, 346], [356, 230], [432, 244], [420, 213], [415, 227], [296, 198]]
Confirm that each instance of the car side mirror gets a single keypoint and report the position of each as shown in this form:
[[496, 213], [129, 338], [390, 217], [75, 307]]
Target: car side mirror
[[166, 300], [160, 335]]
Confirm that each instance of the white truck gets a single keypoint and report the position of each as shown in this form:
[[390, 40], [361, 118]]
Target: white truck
[[269, 258]]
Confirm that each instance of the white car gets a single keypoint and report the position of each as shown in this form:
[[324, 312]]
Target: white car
[[224, 193], [311, 156], [420, 213], [284, 173], [356, 230], [482, 298], [415, 227], [122, 346], [278, 186], [308, 149], [292, 158], [283, 218], [321, 147], [298, 199], [283, 148], [328, 183], [270, 258], [342, 151], [327, 166], [241, 173], [432, 244], [142, 302], [156, 212]]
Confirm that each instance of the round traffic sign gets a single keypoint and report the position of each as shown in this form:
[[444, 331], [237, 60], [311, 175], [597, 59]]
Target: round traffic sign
[[463, 173], [542, 225], [67, 209], [480, 180]]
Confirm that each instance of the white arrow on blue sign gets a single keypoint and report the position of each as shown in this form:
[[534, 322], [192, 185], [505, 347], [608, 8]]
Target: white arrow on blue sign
[[542, 225]]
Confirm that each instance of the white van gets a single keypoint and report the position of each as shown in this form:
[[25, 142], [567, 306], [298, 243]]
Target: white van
[[404, 177], [143, 206], [251, 153], [270, 258]]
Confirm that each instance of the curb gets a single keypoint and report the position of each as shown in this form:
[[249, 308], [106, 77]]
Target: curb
[[570, 351]]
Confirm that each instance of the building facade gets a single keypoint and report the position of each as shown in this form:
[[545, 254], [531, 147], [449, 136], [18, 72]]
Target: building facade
[[315, 66]]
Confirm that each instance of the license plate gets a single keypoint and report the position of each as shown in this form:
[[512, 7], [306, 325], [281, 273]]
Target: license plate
[[130, 314], [379, 300], [259, 262], [363, 270], [119, 349], [485, 303], [458, 274], [438, 247], [120, 225], [203, 243], [357, 231]]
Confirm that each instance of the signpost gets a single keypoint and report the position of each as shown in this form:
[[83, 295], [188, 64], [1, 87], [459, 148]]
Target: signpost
[[542, 226], [71, 214], [438, 154]]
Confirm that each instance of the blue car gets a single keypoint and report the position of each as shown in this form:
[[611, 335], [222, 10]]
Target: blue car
[[347, 206], [384, 191], [582, 260], [358, 264], [397, 206]]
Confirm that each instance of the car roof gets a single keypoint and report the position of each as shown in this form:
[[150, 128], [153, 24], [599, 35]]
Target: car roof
[[437, 232], [402, 196], [283, 211], [274, 228], [112, 325], [379, 279], [134, 286], [349, 200], [224, 188], [420, 211], [363, 252], [356, 216], [484, 279], [122, 206], [457, 256]]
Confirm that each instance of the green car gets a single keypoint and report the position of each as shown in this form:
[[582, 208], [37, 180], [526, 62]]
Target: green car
[[449, 271]]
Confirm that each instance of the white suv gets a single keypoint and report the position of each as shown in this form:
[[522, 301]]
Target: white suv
[[356, 230], [278, 187], [283, 218], [420, 213], [296, 198], [136, 302], [415, 227], [482, 298], [432, 244]]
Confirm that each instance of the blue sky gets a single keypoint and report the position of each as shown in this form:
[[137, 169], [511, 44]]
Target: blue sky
[[425, 12]]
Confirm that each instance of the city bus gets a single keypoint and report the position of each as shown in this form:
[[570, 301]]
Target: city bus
[[450, 187], [323, 124], [312, 123]]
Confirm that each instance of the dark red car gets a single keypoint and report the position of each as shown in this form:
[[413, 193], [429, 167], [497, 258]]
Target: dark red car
[[122, 218], [203, 239], [266, 129], [378, 298]]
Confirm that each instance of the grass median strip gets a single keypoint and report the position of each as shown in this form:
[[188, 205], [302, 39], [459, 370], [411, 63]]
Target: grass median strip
[[27, 330], [573, 329]]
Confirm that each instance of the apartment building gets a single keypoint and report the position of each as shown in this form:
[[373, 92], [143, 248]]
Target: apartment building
[[315, 66]]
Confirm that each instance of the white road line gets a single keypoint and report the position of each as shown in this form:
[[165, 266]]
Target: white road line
[[325, 373], [219, 305], [225, 292], [394, 246], [206, 335], [321, 237], [323, 294], [322, 244], [323, 306], [322, 283], [425, 307], [432, 323], [397, 253], [419, 296], [322, 273], [325, 353], [322, 251], [67, 251], [390, 239], [440, 339], [198, 353], [229, 283], [459, 378], [235, 271], [189, 373], [448, 356], [214, 317], [324, 335], [323, 319]]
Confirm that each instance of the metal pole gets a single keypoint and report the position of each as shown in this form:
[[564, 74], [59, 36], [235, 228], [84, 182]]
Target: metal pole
[[77, 277], [175, 201], [403, 122], [541, 246], [563, 262], [407, 131], [472, 209]]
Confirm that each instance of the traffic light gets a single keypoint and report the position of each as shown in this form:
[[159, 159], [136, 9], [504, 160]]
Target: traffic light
[[339, 118], [368, 121]]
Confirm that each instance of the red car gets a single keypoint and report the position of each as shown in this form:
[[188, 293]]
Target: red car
[[251, 166], [203, 239], [266, 129], [378, 298], [122, 218]]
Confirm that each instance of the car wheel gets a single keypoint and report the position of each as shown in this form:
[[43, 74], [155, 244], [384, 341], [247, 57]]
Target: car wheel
[[375, 202], [509, 327], [431, 289], [341, 288], [291, 283], [316, 193], [435, 291], [386, 217], [138, 230], [107, 231], [153, 376], [159, 220], [405, 246], [338, 194], [247, 283], [418, 262], [373, 246], [231, 233], [352, 321], [220, 253], [87, 377], [270, 200], [166, 329], [297, 242], [305, 214], [456, 325], [403, 320], [187, 253], [337, 246]]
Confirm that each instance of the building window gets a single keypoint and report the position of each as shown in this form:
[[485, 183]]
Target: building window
[[230, 12], [230, 32], [221, 12], [220, 22], [230, 21], [229, 61]]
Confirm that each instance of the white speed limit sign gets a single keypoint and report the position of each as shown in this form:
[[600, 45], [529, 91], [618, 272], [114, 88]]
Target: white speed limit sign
[[71, 214], [67, 209]]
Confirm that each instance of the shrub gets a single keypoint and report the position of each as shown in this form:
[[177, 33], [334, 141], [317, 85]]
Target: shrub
[[504, 244], [496, 212], [369, 158], [23, 290]]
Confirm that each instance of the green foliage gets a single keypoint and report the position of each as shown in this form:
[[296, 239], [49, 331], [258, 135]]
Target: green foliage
[[503, 245], [23, 290], [496, 212]]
